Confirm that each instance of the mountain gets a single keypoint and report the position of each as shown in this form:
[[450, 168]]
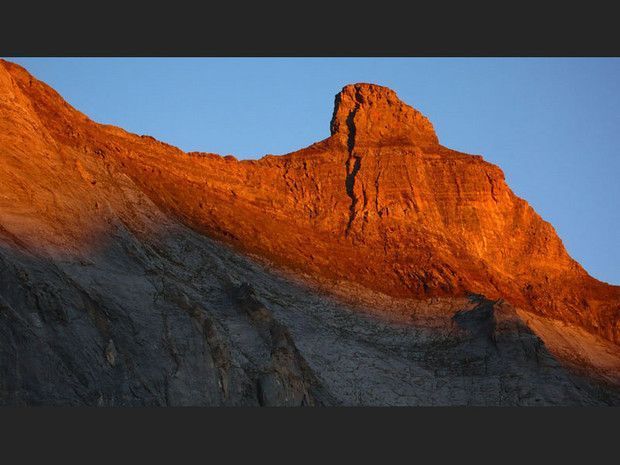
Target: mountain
[[375, 267]]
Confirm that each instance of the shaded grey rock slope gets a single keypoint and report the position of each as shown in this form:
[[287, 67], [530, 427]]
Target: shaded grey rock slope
[[173, 318]]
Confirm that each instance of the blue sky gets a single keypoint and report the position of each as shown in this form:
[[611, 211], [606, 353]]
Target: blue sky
[[552, 125]]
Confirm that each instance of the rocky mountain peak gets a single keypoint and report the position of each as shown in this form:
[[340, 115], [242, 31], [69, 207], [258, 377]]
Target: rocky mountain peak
[[369, 114]]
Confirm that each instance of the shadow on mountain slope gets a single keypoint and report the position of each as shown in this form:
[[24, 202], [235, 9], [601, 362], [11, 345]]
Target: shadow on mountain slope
[[178, 319]]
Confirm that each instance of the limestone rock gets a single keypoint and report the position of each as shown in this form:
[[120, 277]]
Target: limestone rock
[[375, 267]]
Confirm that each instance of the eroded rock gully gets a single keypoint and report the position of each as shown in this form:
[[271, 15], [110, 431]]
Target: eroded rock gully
[[375, 267]]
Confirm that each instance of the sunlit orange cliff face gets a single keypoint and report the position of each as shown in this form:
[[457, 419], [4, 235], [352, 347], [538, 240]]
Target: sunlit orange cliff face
[[380, 203]]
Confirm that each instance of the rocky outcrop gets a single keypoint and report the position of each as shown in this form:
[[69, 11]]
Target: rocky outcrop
[[375, 267], [382, 204], [367, 115]]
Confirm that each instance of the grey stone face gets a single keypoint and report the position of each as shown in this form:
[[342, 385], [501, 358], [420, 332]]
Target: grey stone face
[[174, 318]]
